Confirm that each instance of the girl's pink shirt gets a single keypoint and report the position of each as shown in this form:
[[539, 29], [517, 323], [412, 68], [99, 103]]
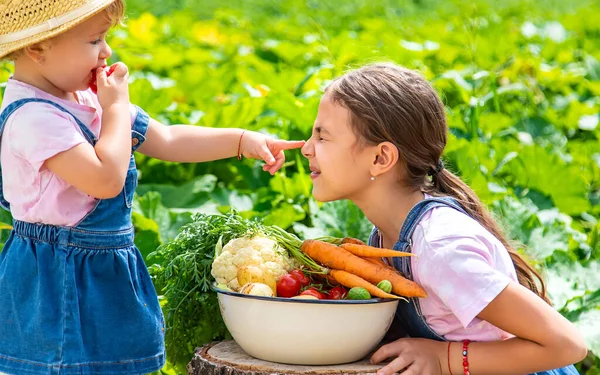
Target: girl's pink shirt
[[462, 267], [32, 135]]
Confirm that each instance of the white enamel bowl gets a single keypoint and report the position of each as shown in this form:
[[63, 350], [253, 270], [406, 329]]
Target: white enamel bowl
[[306, 332]]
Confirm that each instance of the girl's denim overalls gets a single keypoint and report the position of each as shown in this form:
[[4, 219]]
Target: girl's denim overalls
[[79, 300], [409, 319]]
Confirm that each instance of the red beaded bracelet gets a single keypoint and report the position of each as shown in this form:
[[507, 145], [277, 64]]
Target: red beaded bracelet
[[239, 155], [465, 353]]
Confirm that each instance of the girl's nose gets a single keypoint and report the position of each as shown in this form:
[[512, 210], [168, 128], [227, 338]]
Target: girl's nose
[[307, 149], [106, 52]]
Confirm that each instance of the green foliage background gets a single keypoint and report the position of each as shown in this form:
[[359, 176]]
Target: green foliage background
[[520, 80]]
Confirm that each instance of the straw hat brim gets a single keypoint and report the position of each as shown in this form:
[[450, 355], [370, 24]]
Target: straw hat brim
[[8, 48]]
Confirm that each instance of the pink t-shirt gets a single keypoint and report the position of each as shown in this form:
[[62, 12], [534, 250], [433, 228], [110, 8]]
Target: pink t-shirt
[[462, 267], [34, 133]]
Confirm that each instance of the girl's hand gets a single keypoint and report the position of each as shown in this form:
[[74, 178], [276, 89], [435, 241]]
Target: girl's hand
[[113, 89], [416, 356], [259, 146]]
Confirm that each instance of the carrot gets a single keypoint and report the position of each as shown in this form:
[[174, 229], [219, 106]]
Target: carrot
[[336, 257], [369, 251], [379, 262], [355, 241], [350, 281]]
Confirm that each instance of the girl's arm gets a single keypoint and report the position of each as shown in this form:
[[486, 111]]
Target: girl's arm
[[100, 170], [184, 143], [544, 340]]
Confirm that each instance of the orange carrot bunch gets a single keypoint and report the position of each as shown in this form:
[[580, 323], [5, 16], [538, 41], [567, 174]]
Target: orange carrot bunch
[[354, 264]]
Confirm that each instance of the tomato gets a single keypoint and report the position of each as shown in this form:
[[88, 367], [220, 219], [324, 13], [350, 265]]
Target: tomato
[[94, 84], [301, 277], [313, 292], [288, 286], [339, 292]]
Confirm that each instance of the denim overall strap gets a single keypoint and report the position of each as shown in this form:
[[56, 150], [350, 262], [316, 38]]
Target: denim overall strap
[[410, 223], [408, 314], [11, 108], [113, 215]]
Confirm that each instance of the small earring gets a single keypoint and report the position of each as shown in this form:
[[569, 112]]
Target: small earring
[[372, 178]]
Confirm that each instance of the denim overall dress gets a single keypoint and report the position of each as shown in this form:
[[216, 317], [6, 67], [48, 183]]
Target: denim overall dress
[[409, 319], [79, 300]]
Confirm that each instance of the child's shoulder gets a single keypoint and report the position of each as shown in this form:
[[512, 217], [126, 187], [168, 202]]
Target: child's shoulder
[[447, 240], [46, 110], [36, 130], [447, 220], [36, 117], [446, 227]]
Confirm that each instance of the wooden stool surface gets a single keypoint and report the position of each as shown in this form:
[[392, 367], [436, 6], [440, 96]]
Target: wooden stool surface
[[227, 358]]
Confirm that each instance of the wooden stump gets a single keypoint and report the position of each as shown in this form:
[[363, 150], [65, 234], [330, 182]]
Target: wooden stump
[[227, 358]]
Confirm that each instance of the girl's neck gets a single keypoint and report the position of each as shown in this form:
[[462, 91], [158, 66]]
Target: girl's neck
[[29, 75], [386, 206]]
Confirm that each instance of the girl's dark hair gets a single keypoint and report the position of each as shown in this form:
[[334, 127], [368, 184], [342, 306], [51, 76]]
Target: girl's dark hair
[[389, 103]]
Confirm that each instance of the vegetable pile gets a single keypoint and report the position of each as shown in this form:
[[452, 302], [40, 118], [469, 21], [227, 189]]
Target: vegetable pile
[[246, 256], [247, 264]]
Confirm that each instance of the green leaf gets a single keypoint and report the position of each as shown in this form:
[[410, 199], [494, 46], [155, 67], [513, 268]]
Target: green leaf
[[240, 114], [537, 169], [285, 215], [568, 280], [147, 234], [5, 226], [291, 188], [589, 327], [541, 231], [338, 219], [493, 123], [232, 199], [575, 290], [154, 223], [190, 195]]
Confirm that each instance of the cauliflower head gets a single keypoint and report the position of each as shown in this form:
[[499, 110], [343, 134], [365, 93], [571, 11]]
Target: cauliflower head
[[258, 251]]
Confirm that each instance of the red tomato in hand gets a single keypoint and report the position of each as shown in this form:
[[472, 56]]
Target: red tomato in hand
[[301, 277], [94, 84], [313, 292], [288, 286], [339, 292]]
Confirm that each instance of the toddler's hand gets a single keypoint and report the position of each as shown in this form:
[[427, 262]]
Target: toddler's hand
[[113, 89], [259, 146]]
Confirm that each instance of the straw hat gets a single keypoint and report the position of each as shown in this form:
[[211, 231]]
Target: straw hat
[[26, 22]]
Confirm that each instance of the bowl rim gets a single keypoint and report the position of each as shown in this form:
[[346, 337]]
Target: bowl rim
[[313, 301]]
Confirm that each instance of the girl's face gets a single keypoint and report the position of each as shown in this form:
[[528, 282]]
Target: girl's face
[[73, 56], [339, 165]]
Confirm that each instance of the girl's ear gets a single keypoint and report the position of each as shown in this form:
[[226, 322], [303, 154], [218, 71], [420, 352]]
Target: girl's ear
[[36, 52], [385, 158]]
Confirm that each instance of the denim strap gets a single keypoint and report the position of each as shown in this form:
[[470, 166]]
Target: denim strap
[[410, 223], [419, 210]]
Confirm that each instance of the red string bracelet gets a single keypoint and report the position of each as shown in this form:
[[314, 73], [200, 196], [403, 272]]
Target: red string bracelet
[[465, 353], [449, 368], [239, 155]]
